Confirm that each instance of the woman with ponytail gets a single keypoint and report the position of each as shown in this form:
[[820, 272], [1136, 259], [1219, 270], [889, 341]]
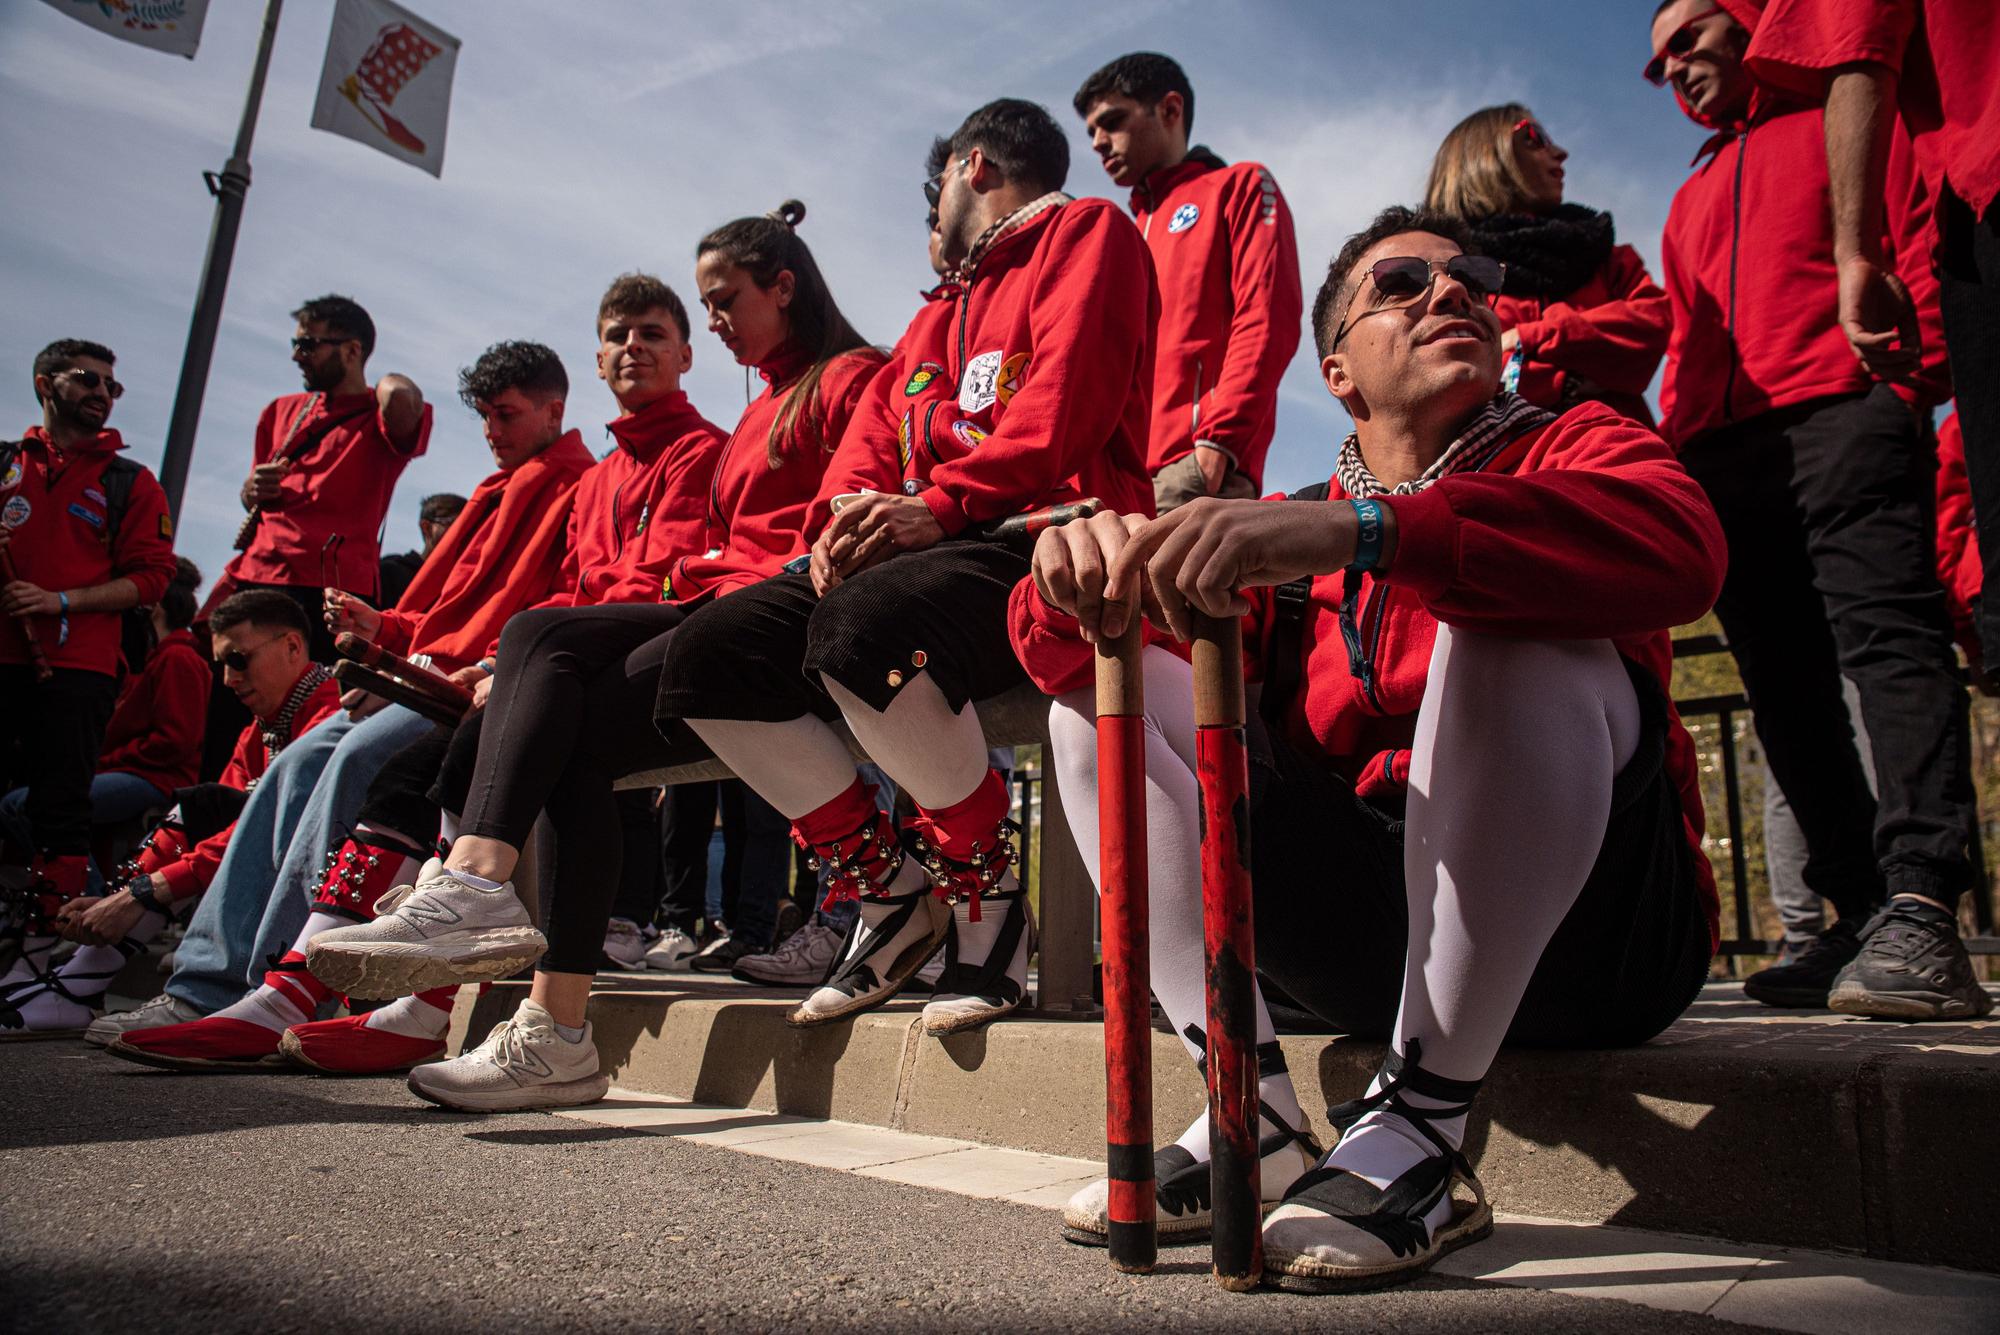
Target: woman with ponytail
[[1582, 319]]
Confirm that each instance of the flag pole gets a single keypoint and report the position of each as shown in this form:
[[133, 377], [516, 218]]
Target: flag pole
[[229, 190]]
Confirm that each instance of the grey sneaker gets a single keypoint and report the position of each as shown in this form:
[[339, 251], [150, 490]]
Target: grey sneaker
[[523, 1064], [164, 1009], [804, 958], [434, 933], [625, 945], [1912, 966]]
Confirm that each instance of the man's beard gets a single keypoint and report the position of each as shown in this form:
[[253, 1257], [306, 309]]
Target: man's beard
[[323, 377], [70, 412]]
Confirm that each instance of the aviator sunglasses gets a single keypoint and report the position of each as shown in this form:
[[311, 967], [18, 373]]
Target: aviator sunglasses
[[1679, 42], [1402, 279], [309, 342]]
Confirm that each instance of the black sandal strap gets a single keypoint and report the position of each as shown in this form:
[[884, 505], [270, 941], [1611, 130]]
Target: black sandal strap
[[989, 979]]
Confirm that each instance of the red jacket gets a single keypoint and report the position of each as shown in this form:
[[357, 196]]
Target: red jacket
[[643, 507], [1023, 386], [1583, 528], [756, 510], [155, 732], [340, 485], [1748, 252], [503, 553], [1958, 565], [1610, 332], [1948, 53], [191, 873], [1230, 305], [62, 542]]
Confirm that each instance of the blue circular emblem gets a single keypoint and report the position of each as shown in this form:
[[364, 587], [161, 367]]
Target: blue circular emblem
[[1184, 217]]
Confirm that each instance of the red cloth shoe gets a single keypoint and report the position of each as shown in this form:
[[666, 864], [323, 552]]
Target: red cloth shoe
[[216, 1043], [347, 1046]]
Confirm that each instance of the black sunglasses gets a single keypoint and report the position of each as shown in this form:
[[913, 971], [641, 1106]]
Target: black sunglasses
[[92, 380], [309, 342], [1401, 279], [1679, 42], [238, 660], [934, 188]]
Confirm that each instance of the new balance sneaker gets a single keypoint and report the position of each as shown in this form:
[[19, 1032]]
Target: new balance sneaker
[[213, 1043], [721, 957], [1912, 966], [162, 1010], [523, 1064], [804, 958], [625, 945], [890, 941], [671, 953], [1809, 977], [348, 1046], [439, 931], [1181, 1192]]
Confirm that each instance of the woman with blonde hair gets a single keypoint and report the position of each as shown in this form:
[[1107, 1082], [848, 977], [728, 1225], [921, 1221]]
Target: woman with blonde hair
[[1582, 317]]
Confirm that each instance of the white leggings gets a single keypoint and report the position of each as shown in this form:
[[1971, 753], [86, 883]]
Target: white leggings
[[1516, 747]]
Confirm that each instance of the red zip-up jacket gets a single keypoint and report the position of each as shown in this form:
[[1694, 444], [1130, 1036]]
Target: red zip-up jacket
[[58, 516], [1023, 386], [191, 872], [1748, 254], [1958, 565], [643, 507], [1227, 263], [1947, 53], [155, 731], [1610, 331], [503, 553], [1583, 528], [756, 511], [340, 486]]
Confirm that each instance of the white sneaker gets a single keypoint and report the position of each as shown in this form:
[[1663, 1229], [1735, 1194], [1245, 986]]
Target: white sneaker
[[625, 945], [164, 1009], [804, 957], [524, 1063], [890, 943], [671, 953], [434, 933]]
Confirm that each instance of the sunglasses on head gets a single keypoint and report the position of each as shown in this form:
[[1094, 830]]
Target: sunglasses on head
[[1531, 134], [92, 380], [311, 342], [1402, 279], [1679, 42]]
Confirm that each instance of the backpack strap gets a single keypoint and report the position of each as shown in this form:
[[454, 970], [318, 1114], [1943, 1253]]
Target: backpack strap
[[1284, 665], [117, 480]]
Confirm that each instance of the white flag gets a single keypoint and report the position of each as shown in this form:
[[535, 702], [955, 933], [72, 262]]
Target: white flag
[[387, 81], [173, 26]]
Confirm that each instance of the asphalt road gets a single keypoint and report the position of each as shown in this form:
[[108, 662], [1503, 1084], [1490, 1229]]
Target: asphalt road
[[141, 1200]]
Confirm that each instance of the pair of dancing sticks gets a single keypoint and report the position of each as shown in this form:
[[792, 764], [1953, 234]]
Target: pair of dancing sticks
[[1222, 766], [371, 668]]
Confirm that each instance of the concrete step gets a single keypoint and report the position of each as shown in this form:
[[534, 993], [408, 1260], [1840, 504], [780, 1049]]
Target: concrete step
[[1793, 1129]]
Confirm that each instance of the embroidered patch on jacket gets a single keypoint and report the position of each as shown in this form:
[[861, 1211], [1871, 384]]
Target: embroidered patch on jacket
[[976, 391], [1186, 216], [166, 525], [1008, 383], [86, 514], [904, 429], [968, 435], [921, 378], [13, 478], [15, 513], [93, 494]]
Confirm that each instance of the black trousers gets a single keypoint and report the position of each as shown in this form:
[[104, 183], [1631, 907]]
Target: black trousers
[[687, 820], [1332, 912], [1969, 293], [639, 876], [54, 729], [1830, 512]]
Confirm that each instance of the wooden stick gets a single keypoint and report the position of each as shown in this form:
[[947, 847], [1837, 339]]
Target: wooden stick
[[1128, 1029], [1222, 765], [396, 691], [449, 694], [36, 654]]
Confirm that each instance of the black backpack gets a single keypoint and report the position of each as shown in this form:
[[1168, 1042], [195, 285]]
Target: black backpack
[[135, 634], [1284, 666]]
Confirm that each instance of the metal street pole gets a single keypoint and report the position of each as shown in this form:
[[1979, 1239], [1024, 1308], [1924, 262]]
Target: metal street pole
[[229, 189]]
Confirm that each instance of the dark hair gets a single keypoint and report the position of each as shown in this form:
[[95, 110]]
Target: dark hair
[[515, 364], [764, 248], [60, 355], [344, 316], [1143, 76], [261, 609], [938, 158], [1392, 221], [1021, 139], [440, 507], [636, 293], [178, 601]]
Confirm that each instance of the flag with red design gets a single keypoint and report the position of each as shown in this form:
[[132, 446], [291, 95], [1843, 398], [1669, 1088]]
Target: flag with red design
[[387, 81], [173, 26]]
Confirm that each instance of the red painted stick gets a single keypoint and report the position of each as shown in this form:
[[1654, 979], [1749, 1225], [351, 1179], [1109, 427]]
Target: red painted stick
[[1128, 1028], [1222, 764], [36, 654], [420, 680]]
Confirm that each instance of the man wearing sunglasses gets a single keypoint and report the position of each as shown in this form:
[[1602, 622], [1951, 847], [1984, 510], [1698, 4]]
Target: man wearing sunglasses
[[84, 535], [1475, 812], [1228, 266], [1821, 471]]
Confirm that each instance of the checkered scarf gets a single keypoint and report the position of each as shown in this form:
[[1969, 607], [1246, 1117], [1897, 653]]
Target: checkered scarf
[[1498, 424], [278, 731], [1027, 213]]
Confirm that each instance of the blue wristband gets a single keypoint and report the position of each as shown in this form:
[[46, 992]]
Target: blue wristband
[[1368, 541], [62, 604]]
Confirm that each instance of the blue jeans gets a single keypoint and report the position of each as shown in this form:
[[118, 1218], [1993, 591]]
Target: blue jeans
[[304, 806], [114, 796]]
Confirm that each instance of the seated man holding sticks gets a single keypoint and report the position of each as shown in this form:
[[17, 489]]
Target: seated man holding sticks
[[1475, 812]]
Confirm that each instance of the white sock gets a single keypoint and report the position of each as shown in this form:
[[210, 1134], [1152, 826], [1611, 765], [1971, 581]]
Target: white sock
[[570, 1033], [412, 1017], [798, 766], [267, 1005], [1275, 1090], [477, 882]]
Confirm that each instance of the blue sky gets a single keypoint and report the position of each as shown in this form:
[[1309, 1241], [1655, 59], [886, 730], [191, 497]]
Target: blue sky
[[611, 136]]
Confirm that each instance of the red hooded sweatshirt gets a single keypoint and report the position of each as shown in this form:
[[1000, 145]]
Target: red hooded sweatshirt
[[1022, 385], [155, 732], [1610, 331], [643, 507], [757, 509], [1948, 55], [342, 485], [1230, 305], [1748, 253], [1582, 528], [1958, 565], [58, 516], [258, 745], [503, 553]]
